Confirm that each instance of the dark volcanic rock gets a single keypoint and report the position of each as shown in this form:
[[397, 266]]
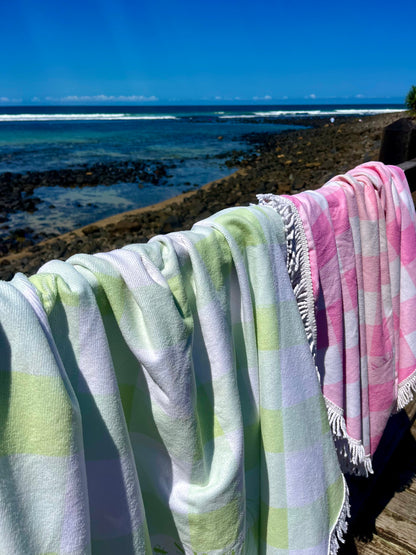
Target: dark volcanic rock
[[399, 142], [16, 189], [288, 162]]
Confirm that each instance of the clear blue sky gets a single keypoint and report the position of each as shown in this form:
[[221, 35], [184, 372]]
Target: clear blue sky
[[159, 51]]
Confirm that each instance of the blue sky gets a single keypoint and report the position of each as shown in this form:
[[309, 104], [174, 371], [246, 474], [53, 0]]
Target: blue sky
[[163, 51]]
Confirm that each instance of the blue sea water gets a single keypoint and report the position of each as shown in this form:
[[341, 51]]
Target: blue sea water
[[189, 139]]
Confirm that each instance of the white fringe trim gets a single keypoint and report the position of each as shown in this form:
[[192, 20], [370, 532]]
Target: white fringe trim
[[407, 391], [341, 526], [297, 261], [351, 452]]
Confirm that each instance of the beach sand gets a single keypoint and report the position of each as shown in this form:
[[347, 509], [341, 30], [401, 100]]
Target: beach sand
[[285, 163]]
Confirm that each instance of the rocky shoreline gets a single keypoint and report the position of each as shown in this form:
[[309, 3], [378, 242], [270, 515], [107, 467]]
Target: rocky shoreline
[[288, 162], [16, 189]]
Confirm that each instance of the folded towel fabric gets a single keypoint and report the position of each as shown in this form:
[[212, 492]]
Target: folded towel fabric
[[162, 398], [359, 234]]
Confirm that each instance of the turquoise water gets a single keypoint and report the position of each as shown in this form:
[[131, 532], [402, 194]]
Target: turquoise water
[[55, 137], [189, 140]]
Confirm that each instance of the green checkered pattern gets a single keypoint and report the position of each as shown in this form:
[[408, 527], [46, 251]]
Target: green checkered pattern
[[162, 398]]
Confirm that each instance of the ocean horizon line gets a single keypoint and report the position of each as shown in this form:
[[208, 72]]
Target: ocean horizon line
[[190, 112], [208, 103]]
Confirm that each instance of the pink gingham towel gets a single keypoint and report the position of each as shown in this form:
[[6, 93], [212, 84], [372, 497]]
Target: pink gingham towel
[[359, 231]]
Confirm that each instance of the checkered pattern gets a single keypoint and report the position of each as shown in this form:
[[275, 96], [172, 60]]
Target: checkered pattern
[[162, 398], [361, 243]]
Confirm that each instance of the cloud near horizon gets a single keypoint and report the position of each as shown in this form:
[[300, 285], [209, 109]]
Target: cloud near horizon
[[6, 99], [103, 98]]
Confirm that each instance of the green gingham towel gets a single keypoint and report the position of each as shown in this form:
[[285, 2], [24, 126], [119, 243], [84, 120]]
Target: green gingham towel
[[162, 398]]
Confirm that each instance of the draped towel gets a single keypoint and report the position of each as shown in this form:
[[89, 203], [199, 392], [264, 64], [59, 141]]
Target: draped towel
[[162, 398], [358, 231]]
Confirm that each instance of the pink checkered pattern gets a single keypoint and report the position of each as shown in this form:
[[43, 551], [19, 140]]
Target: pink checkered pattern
[[361, 234]]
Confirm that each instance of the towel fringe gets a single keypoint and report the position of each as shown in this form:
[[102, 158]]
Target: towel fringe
[[341, 526], [407, 391], [351, 452], [297, 262]]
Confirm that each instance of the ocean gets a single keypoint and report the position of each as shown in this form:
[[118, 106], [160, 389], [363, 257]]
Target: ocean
[[192, 142]]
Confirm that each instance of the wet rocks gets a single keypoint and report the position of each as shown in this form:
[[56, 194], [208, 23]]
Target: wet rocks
[[19, 239], [317, 154], [16, 189]]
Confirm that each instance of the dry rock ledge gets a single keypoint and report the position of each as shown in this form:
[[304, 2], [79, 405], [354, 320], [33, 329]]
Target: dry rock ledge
[[286, 163]]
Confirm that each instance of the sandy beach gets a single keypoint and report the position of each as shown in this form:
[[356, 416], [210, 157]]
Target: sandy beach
[[284, 163]]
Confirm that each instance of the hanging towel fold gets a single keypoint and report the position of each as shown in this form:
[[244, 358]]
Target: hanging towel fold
[[359, 234], [162, 398]]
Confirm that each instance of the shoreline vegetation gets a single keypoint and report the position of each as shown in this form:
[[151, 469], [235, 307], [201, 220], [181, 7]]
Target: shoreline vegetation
[[285, 163]]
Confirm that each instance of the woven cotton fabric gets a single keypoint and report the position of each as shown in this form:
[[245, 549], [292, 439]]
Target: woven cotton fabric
[[162, 398], [359, 233]]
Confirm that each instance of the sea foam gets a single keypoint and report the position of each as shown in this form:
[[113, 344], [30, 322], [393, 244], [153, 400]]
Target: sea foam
[[314, 112], [79, 117]]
